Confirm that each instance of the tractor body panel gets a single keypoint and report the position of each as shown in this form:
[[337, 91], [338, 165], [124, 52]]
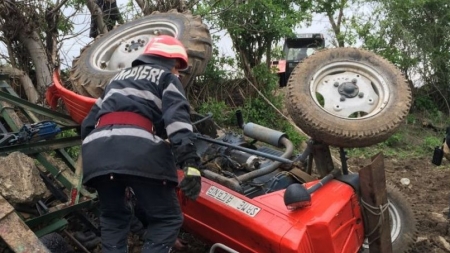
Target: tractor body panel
[[332, 223]]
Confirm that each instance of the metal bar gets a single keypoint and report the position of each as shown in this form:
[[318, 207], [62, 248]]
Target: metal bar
[[3, 128], [77, 243], [322, 158], [55, 172], [41, 146], [54, 227], [61, 118], [11, 91], [7, 118], [250, 151], [66, 157], [222, 246], [57, 214], [54, 189]]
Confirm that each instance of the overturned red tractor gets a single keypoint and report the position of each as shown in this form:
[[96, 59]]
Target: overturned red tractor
[[258, 193]]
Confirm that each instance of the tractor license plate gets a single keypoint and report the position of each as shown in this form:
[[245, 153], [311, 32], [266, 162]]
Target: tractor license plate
[[233, 201]]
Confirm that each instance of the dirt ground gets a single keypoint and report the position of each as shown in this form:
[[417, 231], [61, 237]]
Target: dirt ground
[[428, 192]]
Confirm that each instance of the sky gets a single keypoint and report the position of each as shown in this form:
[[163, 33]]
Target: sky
[[71, 48]]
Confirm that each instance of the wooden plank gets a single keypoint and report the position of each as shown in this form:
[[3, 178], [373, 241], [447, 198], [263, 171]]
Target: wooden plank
[[15, 233], [374, 196]]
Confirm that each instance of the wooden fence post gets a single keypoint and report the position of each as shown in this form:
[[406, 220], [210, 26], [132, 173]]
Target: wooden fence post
[[375, 205]]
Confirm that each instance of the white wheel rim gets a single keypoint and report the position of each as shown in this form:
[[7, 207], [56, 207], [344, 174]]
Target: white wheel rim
[[349, 90], [121, 49], [395, 223]]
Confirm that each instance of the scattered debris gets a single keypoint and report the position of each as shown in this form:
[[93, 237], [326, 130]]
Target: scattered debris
[[421, 239], [405, 181], [444, 243], [438, 217]]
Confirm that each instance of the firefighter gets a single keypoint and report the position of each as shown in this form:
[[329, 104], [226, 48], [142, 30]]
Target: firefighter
[[135, 135]]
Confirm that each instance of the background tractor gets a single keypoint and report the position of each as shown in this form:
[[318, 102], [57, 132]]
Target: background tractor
[[296, 49]]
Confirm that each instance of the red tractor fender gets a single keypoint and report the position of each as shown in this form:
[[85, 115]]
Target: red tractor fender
[[332, 224], [77, 105]]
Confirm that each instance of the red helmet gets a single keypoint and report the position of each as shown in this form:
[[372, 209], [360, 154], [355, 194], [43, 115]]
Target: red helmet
[[169, 47]]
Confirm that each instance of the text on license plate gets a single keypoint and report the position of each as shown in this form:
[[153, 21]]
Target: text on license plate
[[233, 201]]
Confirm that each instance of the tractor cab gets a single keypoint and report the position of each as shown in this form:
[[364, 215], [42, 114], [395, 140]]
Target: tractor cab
[[295, 50]]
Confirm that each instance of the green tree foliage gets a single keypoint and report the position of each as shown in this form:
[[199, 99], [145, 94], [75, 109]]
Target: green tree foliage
[[414, 34], [254, 26]]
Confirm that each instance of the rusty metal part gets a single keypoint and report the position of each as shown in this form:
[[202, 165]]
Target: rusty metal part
[[322, 158], [74, 240], [231, 183], [300, 175], [15, 233]]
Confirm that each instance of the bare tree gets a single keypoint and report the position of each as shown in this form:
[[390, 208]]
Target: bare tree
[[23, 38], [149, 6]]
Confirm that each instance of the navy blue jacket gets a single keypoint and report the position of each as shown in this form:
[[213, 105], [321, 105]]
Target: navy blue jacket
[[152, 91]]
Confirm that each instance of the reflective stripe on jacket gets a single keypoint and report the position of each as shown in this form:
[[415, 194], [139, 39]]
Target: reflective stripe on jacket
[[153, 92]]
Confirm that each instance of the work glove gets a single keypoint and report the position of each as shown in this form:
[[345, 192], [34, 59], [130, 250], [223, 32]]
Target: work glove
[[191, 184]]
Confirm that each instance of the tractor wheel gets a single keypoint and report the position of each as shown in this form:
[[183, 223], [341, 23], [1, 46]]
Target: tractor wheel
[[348, 97], [402, 221], [115, 50], [55, 243]]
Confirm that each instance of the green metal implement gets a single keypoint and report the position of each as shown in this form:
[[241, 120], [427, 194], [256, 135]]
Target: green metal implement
[[20, 233]]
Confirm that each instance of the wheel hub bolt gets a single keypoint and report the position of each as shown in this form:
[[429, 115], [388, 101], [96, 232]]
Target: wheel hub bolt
[[361, 94], [342, 98], [354, 80], [349, 89], [135, 49], [336, 84], [132, 42]]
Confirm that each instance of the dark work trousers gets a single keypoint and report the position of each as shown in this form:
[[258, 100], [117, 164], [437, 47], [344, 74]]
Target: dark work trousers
[[158, 205]]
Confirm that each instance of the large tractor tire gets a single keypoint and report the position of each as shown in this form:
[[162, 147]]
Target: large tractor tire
[[402, 222], [348, 97], [115, 50], [55, 243]]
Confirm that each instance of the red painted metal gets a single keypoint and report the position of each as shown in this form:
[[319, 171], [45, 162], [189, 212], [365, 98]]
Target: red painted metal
[[332, 224], [77, 105], [279, 65]]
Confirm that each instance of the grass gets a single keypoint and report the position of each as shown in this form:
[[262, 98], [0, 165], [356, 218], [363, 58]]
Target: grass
[[411, 140]]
